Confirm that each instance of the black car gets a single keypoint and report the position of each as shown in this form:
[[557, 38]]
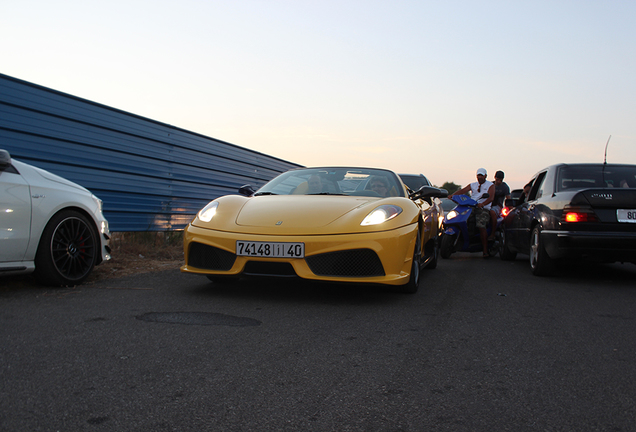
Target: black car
[[414, 181], [574, 211]]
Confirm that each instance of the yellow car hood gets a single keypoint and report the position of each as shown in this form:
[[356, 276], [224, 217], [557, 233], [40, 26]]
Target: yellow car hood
[[293, 212], [303, 214]]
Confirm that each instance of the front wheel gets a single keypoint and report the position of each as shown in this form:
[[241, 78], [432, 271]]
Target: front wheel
[[434, 245], [504, 247], [448, 245], [68, 250], [540, 262]]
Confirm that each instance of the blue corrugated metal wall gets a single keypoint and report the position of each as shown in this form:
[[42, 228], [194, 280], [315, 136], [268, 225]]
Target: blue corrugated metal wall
[[150, 175]]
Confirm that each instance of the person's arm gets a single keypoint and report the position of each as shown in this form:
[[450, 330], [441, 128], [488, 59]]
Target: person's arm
[[491, 197], [462, 191]]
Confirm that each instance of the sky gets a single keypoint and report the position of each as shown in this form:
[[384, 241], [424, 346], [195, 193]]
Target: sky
[[434, 87]]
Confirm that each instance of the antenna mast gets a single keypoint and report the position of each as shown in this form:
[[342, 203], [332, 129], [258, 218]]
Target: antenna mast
[[605, 159]]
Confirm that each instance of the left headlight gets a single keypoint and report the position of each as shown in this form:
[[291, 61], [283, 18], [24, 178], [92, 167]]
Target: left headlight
[[100, 203], [381, 214], [207, 213]]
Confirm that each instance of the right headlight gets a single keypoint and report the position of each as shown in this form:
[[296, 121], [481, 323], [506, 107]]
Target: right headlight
[[207, 213], [381, 214]]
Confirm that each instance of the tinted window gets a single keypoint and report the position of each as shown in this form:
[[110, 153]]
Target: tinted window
[[537, 188], [590, 176], [414, 182]]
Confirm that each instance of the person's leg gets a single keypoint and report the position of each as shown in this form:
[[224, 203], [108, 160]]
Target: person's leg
[[484, 240], [493, 224], [482, 217]]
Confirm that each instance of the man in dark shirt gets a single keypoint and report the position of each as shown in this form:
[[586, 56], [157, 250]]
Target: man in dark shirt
[[502, 193]]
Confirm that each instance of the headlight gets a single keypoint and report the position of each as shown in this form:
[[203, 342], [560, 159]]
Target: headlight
[[207, 213], [100, 203], [381, 214], [452, 214]]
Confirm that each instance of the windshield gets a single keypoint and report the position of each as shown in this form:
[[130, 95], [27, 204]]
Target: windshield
[[595, 176], [335, 181], [414, 182]]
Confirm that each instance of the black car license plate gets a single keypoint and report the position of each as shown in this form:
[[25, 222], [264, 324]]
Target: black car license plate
[[624, 215]]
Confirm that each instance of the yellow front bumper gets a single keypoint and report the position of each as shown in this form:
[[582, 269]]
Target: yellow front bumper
[[394, 248]]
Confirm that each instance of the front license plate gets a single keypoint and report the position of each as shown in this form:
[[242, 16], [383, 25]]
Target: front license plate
[[626, 215], [270, 249]]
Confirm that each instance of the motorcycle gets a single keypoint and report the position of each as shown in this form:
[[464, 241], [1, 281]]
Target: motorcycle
[[460, 232]]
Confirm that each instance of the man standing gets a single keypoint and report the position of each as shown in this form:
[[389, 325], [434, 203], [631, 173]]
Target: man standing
[[502, 193], [483, 192]]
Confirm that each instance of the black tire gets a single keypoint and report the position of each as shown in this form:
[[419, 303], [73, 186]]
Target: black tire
[[540, 262], [432, 263], [68, 250], [504, 248], [448, 245], [413, 284]]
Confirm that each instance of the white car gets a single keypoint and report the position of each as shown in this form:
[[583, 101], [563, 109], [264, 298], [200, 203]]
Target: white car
[[48, 225]]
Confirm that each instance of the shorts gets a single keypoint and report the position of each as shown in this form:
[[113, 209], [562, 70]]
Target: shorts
[[482, 217]]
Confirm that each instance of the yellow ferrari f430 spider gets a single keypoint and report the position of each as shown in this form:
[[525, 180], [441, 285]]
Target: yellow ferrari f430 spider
[[337, 224]]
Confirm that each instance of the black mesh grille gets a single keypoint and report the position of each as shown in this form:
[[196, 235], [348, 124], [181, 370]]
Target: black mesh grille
[[267, 268], [210, 258], [351, 263]]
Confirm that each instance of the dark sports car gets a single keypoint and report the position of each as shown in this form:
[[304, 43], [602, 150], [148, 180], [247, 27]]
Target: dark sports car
[[574, 211]]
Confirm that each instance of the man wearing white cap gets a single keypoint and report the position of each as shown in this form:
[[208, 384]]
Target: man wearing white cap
[[483, 192]]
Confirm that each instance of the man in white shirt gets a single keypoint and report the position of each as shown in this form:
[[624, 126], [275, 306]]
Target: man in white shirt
[[483, 192]]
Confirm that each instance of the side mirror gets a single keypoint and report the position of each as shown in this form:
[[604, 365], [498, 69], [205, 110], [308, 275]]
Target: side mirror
[[428, 192], [510, 203], [246, 190], [5, 159]]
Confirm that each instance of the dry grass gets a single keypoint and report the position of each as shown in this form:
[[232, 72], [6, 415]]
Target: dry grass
[[141, 252]]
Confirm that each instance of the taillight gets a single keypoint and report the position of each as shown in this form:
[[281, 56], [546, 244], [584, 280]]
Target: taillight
[[578, 214], [505, 211]]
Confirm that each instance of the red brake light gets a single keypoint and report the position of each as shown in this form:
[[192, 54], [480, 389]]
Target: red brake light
[[580, 217], [505, 211]]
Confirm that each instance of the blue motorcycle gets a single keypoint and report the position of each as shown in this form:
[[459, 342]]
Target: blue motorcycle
[[460, 232]]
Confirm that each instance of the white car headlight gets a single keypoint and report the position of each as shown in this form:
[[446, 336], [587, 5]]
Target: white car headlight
[[452, 214], [100, 203], [207, 213], [381, 214]]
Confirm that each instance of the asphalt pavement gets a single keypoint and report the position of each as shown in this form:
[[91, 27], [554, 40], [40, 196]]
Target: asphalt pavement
[[483, 346]]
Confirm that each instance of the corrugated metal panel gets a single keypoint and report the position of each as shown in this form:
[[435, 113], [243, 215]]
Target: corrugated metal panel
[[150, 175]]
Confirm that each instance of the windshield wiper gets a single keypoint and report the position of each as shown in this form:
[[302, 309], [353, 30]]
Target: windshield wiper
[[264, 193], [326, 193]]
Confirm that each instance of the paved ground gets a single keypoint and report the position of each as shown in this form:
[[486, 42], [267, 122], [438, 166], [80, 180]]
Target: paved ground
[[482, 346]]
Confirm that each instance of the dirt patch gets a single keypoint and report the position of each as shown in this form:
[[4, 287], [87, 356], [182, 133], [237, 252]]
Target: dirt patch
[[140, 252]]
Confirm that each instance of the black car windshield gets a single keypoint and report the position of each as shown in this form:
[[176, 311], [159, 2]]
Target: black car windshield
[[335, 181], [596, 176], [414, 182]]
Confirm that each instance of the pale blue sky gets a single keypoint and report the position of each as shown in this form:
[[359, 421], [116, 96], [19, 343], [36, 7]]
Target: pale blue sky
[[440, 88]]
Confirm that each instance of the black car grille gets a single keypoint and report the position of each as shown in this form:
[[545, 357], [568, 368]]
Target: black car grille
[[349, 263], [268, 268], [210, 258]]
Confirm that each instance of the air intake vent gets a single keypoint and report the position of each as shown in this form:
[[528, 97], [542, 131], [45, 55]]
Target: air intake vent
[[350, 263], [267, 268], [210, 258]]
